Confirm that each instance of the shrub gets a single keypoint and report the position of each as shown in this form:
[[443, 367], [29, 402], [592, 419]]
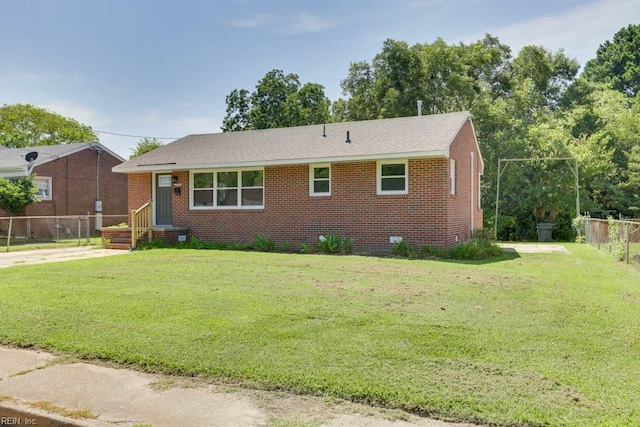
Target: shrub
[[332, 244], [473, 249], [347, 245], [429, 251], [306, 248], [263, 244], [401, 248], [484, 234], [329, 244], [404, 249], [152, 244], [616, 240]]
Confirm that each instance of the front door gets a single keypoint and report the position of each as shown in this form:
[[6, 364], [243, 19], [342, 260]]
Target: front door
[[163, 199]]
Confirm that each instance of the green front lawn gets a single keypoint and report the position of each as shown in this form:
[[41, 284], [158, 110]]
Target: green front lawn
[[531, 340]]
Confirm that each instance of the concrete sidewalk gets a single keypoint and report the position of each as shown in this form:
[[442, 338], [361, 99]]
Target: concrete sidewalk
[[41, 256], [38, 388]]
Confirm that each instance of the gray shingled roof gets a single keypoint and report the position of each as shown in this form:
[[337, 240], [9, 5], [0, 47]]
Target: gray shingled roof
[[13, 158], [418, 136]]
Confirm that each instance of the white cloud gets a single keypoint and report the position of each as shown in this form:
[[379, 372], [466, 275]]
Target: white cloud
[[293, 24], [84, 115], [257, 21], [579, 31]]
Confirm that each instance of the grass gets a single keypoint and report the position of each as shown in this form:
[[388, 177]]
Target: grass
[[533, 340], [67, 243], [71, 413]]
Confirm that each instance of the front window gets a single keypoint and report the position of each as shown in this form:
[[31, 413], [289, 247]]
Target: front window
[[228, 189], [392, 177]]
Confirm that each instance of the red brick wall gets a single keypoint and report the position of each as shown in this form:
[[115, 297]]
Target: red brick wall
[[73, 180], [139, 191], [460, 204]]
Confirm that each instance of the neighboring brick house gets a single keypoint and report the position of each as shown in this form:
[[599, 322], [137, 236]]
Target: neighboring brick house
[[70, 178], [413, 178]]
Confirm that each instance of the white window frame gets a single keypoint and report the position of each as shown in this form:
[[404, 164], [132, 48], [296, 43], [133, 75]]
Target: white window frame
[[479, 192], [43, 179], [379, 176], [215, 189], [313, 179], [452, 176]]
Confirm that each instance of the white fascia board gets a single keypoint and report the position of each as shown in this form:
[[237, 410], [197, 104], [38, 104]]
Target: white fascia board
[[13, 172], [340, 159]]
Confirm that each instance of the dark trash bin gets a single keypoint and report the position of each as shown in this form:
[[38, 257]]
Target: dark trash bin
[[545, 230]]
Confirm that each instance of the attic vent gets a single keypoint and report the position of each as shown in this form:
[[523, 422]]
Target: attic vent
[[348, 141]]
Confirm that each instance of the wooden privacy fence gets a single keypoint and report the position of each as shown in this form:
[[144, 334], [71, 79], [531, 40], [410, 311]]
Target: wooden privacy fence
[[620, 237]]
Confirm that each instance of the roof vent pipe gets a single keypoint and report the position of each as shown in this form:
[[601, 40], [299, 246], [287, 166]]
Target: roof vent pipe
[[324, 133], [419, 107], [348, 141]]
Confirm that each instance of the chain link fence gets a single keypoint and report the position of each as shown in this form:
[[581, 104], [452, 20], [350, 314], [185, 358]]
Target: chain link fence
[[620, 237], [20, 230]]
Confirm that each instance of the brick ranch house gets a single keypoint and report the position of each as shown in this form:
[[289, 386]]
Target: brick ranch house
[[70, 178], [378, 181]]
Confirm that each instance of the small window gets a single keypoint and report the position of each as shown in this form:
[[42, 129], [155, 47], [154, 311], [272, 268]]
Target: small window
[[392, 177], [452, 176], [320, 180], [44, 187]]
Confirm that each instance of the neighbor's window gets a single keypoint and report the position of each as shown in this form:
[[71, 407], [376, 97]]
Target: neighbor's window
[[452, 176], [228, 189], [392, 177], [44, 187], [320, 180]]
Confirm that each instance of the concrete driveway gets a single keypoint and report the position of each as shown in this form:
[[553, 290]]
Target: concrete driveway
[[41, 256], [534, 248]]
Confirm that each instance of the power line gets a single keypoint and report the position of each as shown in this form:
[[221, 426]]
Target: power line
[[134, 136]]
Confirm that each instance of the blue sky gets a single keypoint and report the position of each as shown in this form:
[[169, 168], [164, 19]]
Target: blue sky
[[163, 68]]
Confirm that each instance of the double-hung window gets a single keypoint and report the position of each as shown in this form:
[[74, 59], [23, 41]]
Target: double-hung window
[[320, 180], [392, 177], [224, 189], [44, 187]]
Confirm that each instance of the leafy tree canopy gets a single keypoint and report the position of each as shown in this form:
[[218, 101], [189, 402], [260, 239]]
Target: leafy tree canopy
[[16, 194], [24, 125], [279, 100], [617, 62], [144, 146]]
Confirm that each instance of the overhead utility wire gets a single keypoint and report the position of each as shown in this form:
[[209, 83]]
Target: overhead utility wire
[[134, 136]]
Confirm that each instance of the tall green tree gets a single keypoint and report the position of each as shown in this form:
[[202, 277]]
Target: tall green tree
[[632, 186], [17, 194], [279, 100], [445, 77], [617, 62], [145, 145], [24, 125]]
